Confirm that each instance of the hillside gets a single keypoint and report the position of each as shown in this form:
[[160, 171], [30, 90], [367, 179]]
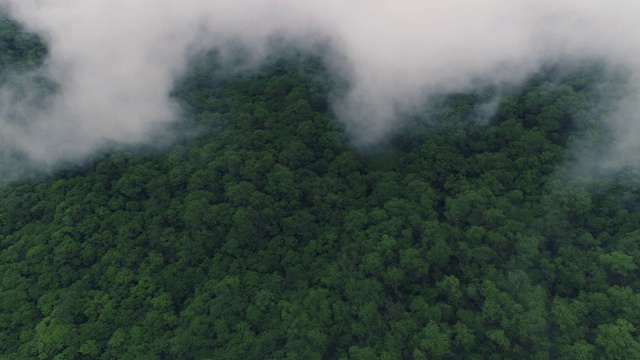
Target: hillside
[[261, 233]]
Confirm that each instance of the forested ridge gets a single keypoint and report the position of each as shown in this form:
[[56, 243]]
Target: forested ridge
[[263, 234]]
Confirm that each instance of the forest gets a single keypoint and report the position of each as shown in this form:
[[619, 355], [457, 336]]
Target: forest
[[262, 233]]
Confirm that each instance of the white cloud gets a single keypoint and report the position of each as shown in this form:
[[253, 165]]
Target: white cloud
[[116, 60]]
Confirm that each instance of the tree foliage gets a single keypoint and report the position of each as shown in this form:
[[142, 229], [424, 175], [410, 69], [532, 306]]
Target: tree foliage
[[266, 236]]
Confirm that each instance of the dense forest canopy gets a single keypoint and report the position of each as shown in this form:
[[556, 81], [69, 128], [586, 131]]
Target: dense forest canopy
[[262, 234]]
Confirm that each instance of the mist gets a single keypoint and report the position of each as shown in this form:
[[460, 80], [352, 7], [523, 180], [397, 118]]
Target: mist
[[115, 62]]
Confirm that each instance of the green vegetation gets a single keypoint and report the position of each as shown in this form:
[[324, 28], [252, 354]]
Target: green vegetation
[[265, 236], [18, 50]]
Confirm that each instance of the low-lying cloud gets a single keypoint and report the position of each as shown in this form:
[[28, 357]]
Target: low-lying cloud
[[116, 61]]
